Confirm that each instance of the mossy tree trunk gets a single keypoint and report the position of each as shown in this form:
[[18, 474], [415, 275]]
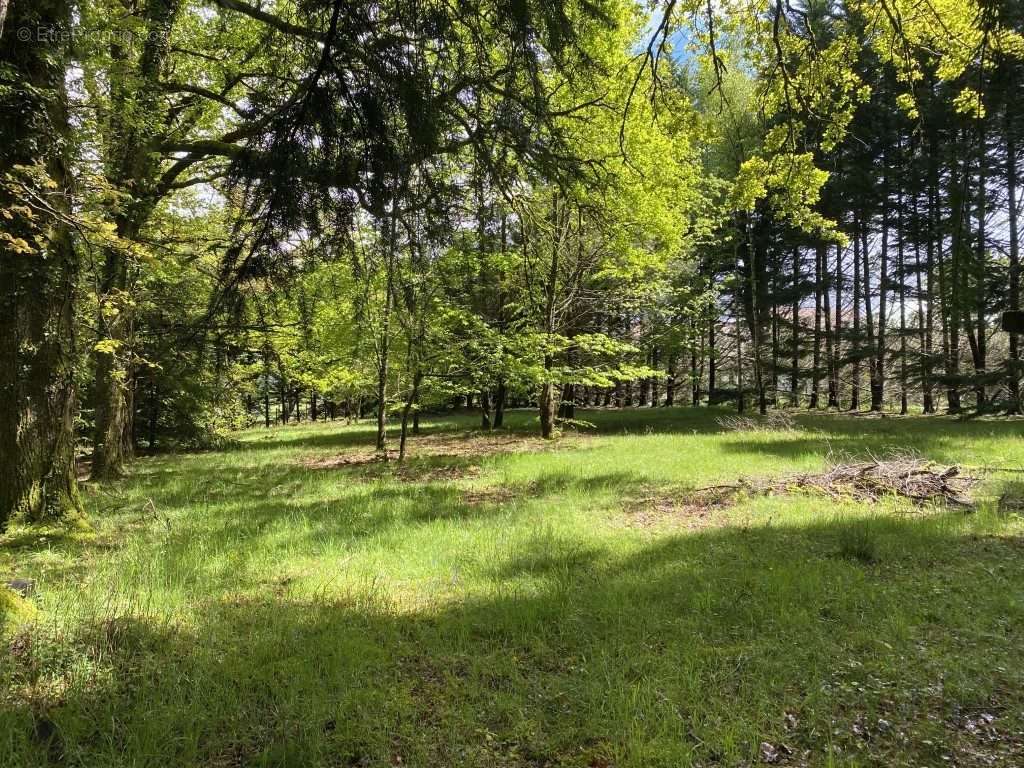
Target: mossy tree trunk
[[38, 270], [132, 126]]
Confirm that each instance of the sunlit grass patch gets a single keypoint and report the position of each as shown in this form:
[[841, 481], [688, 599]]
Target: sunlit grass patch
[[241, 608]]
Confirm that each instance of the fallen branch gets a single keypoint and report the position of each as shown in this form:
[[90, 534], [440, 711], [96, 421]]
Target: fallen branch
[[776, 421], [916, 479]]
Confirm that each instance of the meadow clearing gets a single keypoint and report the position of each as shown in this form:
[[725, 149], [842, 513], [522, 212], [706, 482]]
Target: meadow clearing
[[499, 600]]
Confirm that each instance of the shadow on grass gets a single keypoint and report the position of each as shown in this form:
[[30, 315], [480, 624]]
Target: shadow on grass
[[358, 511], [817, 434], [686, 650], [848, 437], [690, 650], [338, 434]]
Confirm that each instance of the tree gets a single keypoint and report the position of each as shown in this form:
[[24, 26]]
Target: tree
[[39, 268]]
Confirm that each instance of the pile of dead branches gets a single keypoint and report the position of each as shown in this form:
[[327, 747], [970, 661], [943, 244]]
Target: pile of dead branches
[[776, 421], [912, 478], [907, 477]]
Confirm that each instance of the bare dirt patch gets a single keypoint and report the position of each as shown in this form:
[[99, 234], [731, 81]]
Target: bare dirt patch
[[689, 509], [463, 446], [479, 497]]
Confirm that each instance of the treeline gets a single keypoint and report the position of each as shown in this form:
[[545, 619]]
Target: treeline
[[900, 307]]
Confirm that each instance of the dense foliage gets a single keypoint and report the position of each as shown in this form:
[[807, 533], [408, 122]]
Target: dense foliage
[[218, 212]]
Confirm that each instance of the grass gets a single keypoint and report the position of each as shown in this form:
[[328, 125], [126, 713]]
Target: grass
[[269, 606]]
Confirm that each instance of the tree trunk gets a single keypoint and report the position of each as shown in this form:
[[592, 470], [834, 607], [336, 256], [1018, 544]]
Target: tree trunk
[[869, 315], [548, 401], [695, 373], [901, 271], [111, 452], [1013, 368], [266, 400], [826, 311], [499, 405], [775, 332], [856, 348], [485, 409], [924, 312], [741, 403], [644, 390], [283, 398], [819, 268], [385, 335], [567, 406], [980, 347], [794, 367], [754, 294], [712, 356], [954, 309], [410, 403], [132, 168], [655, 391], [37, 281], [548, 404], [933, 257], [878, 378], [154, 414], [837, 367]]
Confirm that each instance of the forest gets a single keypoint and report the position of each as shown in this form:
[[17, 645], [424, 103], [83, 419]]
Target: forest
[[511, 382]]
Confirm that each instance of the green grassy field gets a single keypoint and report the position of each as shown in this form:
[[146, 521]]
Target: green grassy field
[[501, 602]]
